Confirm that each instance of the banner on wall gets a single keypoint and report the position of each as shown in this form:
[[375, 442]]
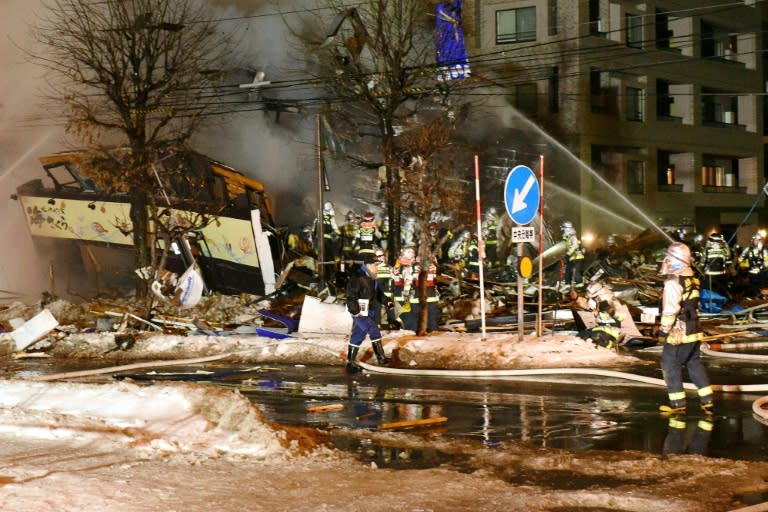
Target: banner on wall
[[451, 53]]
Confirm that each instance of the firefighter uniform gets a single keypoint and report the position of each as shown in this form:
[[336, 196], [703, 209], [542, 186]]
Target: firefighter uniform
[[432, 298], [368, 237], [755, 258], [716, 260], [680, 330], [574, 256]]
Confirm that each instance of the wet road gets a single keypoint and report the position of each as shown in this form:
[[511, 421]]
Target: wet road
[[573, 412], [570, 412]]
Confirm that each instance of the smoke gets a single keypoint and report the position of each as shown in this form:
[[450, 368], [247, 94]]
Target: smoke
[[281, 153], [25, 134]]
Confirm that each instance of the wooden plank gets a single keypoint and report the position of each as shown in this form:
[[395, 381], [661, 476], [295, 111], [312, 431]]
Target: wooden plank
[[326, 408], [412, 423]]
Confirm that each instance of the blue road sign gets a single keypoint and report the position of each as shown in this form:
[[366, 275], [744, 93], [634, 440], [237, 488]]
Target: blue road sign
[[521, 195]]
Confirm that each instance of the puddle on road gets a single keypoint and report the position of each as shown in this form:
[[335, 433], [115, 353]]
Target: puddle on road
[[569, 412]]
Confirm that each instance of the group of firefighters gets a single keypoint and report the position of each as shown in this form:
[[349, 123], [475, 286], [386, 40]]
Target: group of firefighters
[[723, 266], [373, 286], [357, 239]]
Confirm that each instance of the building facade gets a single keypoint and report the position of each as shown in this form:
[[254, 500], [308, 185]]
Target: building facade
[[661, 103]]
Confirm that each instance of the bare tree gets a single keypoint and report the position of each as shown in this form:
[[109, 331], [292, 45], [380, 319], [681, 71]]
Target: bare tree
[[376, 64], [435, 179], [132, 74]]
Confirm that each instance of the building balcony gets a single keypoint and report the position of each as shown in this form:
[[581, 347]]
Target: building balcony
[[714, 189]]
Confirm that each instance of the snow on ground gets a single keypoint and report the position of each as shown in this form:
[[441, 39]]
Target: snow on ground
[[75, 446]]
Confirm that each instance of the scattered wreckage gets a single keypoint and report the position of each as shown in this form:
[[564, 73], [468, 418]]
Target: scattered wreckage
[[242, 252], [301, 309], [233, 253]]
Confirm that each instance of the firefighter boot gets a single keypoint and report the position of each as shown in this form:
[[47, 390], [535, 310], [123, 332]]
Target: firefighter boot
[[379, 351], [351, 356]]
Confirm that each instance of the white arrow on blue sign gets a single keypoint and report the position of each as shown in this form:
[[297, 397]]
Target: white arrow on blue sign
[[521, 195]]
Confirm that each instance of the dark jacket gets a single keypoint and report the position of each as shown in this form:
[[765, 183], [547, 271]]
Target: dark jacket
[[362, 286]]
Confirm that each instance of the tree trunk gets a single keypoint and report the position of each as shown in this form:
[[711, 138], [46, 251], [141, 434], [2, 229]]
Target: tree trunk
[[140, 221], [421, 328]]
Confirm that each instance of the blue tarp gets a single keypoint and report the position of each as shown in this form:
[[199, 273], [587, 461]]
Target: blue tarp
[[711, 302]]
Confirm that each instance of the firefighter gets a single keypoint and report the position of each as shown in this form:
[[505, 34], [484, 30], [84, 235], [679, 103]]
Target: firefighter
[[680, 331], [574, 256], [384, 277], [755, 258], [432, 297], [348, 234], [384, 230], [435, 245], [716, 261], [364, 297], [490, 235], [473, 256], [331, 235], [402, 284], [459, 250], [608, 316], [368, 237], [438, 237]]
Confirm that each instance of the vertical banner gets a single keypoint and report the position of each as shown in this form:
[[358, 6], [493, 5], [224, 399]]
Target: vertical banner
[[451, 54]]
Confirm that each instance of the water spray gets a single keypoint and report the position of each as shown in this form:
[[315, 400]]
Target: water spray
[[593, 173]]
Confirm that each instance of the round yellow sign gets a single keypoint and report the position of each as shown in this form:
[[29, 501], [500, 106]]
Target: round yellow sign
[[525, 267]]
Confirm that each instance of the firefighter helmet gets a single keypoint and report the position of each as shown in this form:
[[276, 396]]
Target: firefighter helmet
[[677, 260], [567, 228], [368, 217], [328, 208], [716, 238]]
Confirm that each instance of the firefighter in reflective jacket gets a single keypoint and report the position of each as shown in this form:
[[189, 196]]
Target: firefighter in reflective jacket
[[716, 260], [473, 256], [331, 233], [490, 236], [402, 284], [348, 234], [680, 331], [602, 302], [368, 236], [574, 256], [384, 277], [756, 259], [432, 296]]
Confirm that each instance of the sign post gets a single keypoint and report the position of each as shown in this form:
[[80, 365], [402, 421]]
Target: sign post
[[521, 200]]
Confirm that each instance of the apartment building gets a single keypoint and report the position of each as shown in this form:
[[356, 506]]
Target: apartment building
[[662, 102]]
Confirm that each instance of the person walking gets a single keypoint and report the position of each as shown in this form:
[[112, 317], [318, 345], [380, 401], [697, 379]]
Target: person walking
[[364, 296], [680, 331]]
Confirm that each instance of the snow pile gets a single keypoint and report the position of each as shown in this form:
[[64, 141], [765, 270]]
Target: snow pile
[[472, 351], [156, 420]]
